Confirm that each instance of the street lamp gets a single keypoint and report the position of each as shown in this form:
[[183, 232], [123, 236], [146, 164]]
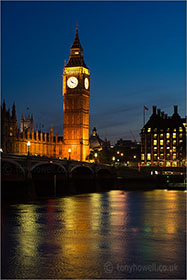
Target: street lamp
[[1, 150], [69, 151], [28, 145], [95, 155]]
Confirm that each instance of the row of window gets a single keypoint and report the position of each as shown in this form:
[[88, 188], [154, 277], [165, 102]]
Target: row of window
[[156, 157], [155, 142], [168, 129]]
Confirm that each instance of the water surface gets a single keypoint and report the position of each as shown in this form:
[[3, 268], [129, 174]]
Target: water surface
[[116, 234]]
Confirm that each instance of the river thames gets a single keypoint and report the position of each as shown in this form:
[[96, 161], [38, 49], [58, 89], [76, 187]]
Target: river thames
[[113, 234]]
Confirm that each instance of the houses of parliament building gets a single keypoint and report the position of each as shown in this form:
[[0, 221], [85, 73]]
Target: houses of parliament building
[[75, 140]]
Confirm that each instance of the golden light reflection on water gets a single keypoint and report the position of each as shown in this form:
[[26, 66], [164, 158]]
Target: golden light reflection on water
[[73, 237], [27, 232], [162, 219]]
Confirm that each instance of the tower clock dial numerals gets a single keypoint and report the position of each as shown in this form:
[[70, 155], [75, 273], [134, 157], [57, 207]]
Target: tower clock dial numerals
[[72, 82], [86, 83]]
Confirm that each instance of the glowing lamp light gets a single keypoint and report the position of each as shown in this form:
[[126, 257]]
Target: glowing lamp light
[[95, 155], [118, 152], [1, 150], [122, 154], [69, 151], [113, 158], [28, 145]]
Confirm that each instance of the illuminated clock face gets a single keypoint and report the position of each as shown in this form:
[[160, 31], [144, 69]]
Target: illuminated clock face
[[86, 83], [72, 82]]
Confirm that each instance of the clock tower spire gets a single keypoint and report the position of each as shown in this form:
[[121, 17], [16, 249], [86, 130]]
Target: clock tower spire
[[76, 92]]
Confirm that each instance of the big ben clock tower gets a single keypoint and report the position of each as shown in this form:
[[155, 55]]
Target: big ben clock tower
[[76, 92]]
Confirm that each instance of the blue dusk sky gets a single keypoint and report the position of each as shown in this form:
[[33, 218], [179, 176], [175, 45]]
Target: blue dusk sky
[[135, 52]]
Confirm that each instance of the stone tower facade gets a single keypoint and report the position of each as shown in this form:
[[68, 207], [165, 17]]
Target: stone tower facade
[[76, 92], [26, 123]]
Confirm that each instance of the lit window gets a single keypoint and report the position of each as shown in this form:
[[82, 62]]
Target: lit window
[[168, 147], [149, 129], [180, 135], [148, 156], [174, 149], [185, 125], [11, 128], [174, 129], [76, 52], [161, 142], [174, 135], [155, 142], [174, 142], [167, 135], [180, 141], [174, 156], [142, 157], [155, 148], [161, 148], [155, 129], [161, 135], [161, 156], [180, 129], [167, 142], [155, 135], [10, 133], [168, 129]]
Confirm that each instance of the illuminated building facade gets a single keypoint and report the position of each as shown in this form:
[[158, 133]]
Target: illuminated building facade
[[163, 140], [76, 92], [14, 140], [75, 140]]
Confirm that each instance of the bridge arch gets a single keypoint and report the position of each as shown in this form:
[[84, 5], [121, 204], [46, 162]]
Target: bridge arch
[[49, 164], [12, 179], [82, 179], [103, 172], [83, 167], [14, 163], [49, 178]]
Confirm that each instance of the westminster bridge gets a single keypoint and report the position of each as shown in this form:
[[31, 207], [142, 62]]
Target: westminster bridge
[[30, 176]]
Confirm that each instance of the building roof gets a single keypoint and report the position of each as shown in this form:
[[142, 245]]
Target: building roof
[[161, 121], [76, 59], [95, 141], [76, 43]]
